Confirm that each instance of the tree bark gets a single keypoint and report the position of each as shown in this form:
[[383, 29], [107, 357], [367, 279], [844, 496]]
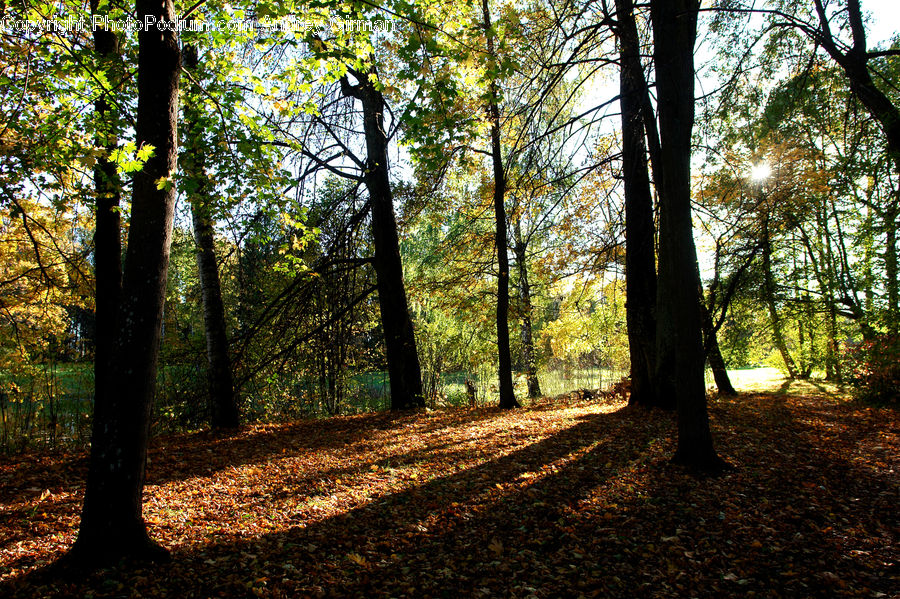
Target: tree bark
[[679, 357], [534, 386], [501, 243], [107, 224], [714, 356], [112, 524], [399, 338], [223, 407], [640, 255]]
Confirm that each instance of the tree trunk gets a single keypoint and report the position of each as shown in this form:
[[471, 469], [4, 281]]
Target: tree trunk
[[769, 290], [112, 525], [534, 386], [832, 363], [224, 411], [107, 226], [640, 257], [504, 369], [890, 269], [825, 277], [680, 359], [399, 338], [714, 356], [223, 407]]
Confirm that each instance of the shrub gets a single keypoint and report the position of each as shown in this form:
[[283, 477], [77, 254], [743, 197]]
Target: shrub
[[874, 369]]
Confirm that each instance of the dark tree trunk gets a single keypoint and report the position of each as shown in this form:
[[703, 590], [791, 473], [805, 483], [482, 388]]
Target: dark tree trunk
[[224, 411], [112, 525], [680, 359], [107, 226], [832, 363], [714, 355], [640, 256], [501, 243], [399, 338], [534, 386], [223, 407]]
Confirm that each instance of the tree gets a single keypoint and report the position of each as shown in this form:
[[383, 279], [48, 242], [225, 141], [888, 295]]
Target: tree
[[222, 397], [107, 228], [680, 358], [112, 525], [640, 254], [501, 244], [841, 33], [527, 331], [399, 339]]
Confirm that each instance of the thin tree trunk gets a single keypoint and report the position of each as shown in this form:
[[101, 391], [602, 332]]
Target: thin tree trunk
[[811, 354], [714, 356], [501, 243], [112, 524], [399, 338], [832, 364], [640, 256], [223, 407], [769, 291], [534, 386], [891, 282], [826, 282], [679, 357]]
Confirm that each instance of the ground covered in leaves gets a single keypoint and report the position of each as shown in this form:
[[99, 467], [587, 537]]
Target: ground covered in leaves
[[565, 498]]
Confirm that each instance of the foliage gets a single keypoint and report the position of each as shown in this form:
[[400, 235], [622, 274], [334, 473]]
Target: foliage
[[590, 327], [44, 284], [874, 369]]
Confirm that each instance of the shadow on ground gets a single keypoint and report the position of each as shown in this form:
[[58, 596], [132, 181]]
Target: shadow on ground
[[593, 509]]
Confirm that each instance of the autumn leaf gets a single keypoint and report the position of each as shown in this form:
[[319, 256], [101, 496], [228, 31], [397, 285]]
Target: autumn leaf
[[262, 507], [357, 559]]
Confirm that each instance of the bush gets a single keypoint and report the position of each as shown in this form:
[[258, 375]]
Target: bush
[[874, 369]]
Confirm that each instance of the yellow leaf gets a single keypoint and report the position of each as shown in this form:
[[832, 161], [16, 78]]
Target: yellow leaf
[[357, 559]]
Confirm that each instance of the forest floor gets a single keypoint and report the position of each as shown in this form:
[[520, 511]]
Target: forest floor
[[564, 498]]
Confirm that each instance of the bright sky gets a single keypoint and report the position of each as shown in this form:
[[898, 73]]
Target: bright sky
[[883, 25]]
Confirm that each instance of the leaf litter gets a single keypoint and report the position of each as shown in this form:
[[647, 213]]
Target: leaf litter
[[570, 497]]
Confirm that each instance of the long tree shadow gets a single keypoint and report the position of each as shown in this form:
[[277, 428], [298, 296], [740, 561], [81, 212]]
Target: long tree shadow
[[25, 484], [40, 493], [455, 533], [824, 504], [182, 456]]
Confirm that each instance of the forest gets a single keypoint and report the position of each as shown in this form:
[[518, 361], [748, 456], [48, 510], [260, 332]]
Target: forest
[[418, 298]]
